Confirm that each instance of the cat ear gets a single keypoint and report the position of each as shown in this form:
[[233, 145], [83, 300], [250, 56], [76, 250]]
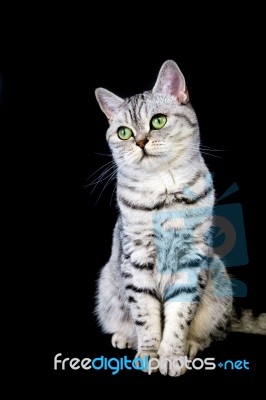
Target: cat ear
[[171, 80], [108, 102]]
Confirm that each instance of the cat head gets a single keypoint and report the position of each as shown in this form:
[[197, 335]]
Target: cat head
[[154, 129]]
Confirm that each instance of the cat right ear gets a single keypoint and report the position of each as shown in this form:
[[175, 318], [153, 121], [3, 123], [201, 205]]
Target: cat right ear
[[171, 81], [108, 101]]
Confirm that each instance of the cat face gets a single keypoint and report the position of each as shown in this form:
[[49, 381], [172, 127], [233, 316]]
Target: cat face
[[153, 129]]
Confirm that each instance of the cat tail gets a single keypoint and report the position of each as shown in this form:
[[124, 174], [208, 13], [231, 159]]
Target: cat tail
[[247, 323]]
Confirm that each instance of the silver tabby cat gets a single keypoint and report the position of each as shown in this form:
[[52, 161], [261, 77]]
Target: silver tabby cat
[[163, 292]]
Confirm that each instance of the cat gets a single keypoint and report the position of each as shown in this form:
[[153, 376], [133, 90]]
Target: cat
[[163, 292]]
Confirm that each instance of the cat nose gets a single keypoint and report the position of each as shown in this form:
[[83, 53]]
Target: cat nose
[[141, 143]]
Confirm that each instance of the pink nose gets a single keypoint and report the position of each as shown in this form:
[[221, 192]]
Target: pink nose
[[141, 143]]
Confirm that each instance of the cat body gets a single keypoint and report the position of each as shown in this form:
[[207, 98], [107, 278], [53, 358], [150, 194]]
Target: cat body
[[163, 291]]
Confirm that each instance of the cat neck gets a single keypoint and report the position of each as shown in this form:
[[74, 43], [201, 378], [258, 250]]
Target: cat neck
[[169, 177]]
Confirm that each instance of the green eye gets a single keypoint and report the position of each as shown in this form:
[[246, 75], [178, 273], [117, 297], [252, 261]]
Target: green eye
[[158, 121], [124, 133]]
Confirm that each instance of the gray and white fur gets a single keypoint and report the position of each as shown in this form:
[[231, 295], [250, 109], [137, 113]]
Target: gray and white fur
[[163, 291]]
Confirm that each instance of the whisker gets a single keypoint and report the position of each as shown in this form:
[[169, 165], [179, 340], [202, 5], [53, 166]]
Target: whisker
[[102, 154], [106, 177], [212, 155], [102, 176], [109, 180], [111, 177], [109, 162], [112, 196], [210, 148]]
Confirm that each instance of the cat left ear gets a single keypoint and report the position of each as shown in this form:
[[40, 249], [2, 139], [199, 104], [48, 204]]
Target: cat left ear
[[171, 80], [108, 102]]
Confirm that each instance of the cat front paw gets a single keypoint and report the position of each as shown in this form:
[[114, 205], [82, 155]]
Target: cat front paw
[[147, 361], [172, 365], [122, 342], [169, 363], [192, 349]]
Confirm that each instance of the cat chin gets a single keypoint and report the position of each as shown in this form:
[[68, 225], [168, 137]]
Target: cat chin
[[151, 164], [149, 160]]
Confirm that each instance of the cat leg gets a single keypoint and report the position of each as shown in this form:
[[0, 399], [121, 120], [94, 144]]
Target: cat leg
[[173, 348], [180, 304], [112, 309], [211, 322], [145, 304], [212, 319], [195, 313]]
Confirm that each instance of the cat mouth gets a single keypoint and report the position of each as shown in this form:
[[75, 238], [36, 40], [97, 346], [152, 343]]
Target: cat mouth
[[146, 155]]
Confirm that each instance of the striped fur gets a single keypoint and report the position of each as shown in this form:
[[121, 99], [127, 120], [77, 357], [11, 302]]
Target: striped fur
[[163, 290]]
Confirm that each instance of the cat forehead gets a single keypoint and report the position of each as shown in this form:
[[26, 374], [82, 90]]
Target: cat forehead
[[147, 102], [136, 110], [132, 100]]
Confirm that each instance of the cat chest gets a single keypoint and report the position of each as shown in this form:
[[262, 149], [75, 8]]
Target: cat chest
[[155, 233]]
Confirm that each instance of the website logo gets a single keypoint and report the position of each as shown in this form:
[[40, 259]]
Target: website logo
[[149, 365]]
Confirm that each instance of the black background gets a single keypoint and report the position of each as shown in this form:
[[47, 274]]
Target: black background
[[60, 73]]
